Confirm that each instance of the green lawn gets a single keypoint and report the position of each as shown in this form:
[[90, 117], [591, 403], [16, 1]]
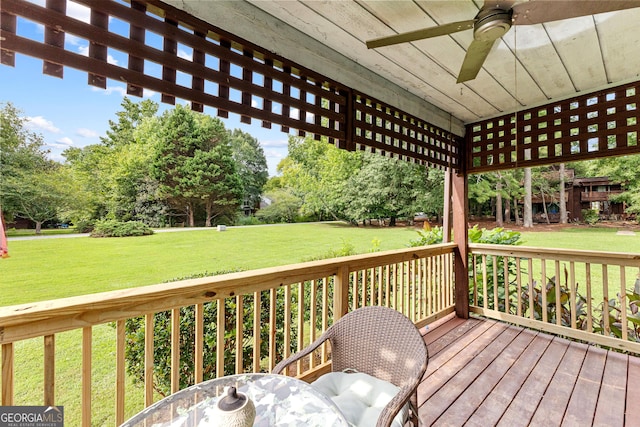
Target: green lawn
[[55, 268], [587, 238]]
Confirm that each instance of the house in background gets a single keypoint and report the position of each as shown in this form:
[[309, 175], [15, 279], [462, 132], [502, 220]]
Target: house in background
[[580, 194]]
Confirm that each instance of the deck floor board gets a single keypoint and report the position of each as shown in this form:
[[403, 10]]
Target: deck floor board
[[485, 373]]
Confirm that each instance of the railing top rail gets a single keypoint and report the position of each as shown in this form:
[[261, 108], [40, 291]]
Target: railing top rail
[[577, 255], [47, 317]]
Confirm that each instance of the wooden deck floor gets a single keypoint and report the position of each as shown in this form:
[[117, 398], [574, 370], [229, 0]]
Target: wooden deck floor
[[487, 373]]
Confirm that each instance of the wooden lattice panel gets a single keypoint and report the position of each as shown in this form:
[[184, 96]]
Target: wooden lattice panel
[[220, 71], [223, 72], [600, 124], [391, 132]]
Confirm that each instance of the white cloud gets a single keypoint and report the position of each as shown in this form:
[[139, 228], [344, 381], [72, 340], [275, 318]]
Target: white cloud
[[275, 144], [64, 142], [86, 133], [79, 12], [40, 123], [273, 154], [84, 51], [185, 55]]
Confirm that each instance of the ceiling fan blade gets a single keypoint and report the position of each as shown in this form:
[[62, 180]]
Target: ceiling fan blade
[[537, 12], [473, 60], [424, 33]]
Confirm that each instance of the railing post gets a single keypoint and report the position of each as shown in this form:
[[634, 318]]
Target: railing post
[[341, 293], [460, 237]]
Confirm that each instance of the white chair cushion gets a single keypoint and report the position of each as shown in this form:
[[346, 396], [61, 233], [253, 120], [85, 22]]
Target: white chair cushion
[[360, 397]]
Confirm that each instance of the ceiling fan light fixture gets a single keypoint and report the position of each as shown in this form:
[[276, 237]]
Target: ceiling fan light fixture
[[491, 24]]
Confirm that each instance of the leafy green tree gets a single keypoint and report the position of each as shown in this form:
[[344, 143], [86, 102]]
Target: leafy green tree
[[22, 153], [193, 164], [31, 185], [114, 175], [386, 188], [318, 174], [284, 207], [251, 164]]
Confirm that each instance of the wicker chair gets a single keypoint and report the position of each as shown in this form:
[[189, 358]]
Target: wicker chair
[[382, 343]]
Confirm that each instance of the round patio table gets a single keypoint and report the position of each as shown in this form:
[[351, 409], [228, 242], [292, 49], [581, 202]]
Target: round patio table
[[279, 401]]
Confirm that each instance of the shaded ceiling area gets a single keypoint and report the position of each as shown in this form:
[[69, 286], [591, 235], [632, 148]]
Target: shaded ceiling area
[[530, 65]]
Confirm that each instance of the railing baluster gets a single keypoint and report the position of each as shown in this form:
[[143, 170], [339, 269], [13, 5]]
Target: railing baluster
[[558, 296], [387, 285], [287, 324], [380, 271], [519, 285], [86, 375], [364, 287], [572, 293], [175, 350], [507, 299], [120, 370], [430, 287], [7, 374], [474, 262], [605, 299], [495, 283], [198, 358], [149, 322], [485, 295], [325, 316], [543, 291], [272, 329], [313, 317], [257, 317], [220, 329], [49, 370], [239, 334], [300, 325], [531, 296], [587, 269], [623, 303], [354, 293]]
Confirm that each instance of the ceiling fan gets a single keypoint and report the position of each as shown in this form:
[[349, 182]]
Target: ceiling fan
[[495, 18]]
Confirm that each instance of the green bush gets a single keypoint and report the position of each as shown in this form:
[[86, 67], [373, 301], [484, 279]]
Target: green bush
[[591, 216], [113, 228], [248, 220]]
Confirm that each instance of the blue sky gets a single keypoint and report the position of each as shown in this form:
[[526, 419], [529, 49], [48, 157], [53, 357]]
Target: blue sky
[[69, 113]]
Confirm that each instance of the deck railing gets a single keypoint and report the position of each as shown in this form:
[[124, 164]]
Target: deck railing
[[586, 295], [285, 307]]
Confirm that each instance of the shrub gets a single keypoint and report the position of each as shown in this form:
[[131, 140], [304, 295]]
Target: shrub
[[591, 216], [248, 220], [113, 228]]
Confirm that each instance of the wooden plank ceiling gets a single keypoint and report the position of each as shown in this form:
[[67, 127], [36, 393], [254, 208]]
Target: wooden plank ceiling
[[529, 66]]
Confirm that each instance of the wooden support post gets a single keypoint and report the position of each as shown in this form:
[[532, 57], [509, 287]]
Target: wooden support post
[[460, 236], [446, 212], [341, 293]]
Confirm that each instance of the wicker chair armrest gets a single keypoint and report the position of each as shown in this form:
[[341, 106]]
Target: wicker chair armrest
[[302, 353], [395, 405]]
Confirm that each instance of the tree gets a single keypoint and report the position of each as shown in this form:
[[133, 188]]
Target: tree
[[31, 185], [40, 195], [114, 175], [528, 205], [386, 188], [251, 165], [194, 166], [563, 197], [318, 173]]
